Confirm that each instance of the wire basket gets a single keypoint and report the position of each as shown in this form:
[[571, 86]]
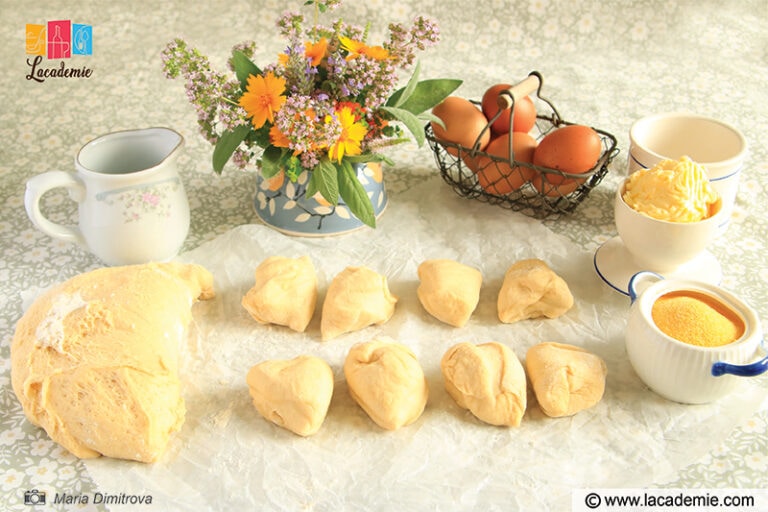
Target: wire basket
[[536, 191]]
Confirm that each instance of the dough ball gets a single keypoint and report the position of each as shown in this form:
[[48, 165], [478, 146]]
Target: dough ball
[[387, 382], [565, 379], [356, 298], [488, 380], [94, 361], [294, 394], [284, 292], [531, 290], [449, 290]]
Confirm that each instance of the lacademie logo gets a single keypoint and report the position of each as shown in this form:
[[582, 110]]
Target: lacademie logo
[[60, 39]]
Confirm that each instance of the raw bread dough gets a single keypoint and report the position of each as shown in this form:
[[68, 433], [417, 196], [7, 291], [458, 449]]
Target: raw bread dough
[[94, 361], [294, 394], [356, 298], [449, 290], [488, 380], [387, 382], [531, 290], [565, 379], [284, 292]]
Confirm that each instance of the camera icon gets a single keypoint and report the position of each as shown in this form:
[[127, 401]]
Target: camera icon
[[34, 497]]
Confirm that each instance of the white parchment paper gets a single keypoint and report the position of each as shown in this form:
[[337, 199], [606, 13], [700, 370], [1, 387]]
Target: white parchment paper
[[228, 457]]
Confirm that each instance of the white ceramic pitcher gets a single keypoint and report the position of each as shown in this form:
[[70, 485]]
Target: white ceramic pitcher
[[132, 207]]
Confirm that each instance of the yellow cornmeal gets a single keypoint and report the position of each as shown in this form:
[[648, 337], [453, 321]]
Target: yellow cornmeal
[[697, 319]]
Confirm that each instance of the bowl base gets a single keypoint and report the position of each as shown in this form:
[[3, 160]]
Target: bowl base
[[615, 266]]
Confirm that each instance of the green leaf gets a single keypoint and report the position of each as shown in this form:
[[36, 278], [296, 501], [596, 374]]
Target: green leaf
[[272, 161], [425, 95], [431, 118], [409, 120], [260, 137], [325, 179], [354, 195], [227, 144], [370, 157], [409, 87], [244, 67]]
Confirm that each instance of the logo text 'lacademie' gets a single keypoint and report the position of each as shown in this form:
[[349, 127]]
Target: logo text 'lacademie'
[[60, 39]]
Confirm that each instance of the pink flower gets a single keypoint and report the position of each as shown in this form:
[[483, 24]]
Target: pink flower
[[150, 198]]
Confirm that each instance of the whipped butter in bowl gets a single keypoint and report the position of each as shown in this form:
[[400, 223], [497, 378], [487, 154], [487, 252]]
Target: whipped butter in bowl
[[666, 216]]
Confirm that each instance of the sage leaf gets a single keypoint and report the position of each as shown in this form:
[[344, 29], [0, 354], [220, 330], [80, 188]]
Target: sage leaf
[[272, 161], [354, 195], [227, 144], [325, 179], [244, 67], [370, 157], [425, 95], [409, 120], [430, 117], [409, 87]]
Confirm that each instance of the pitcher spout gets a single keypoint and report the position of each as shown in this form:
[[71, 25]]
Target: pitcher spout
[[129, 151]]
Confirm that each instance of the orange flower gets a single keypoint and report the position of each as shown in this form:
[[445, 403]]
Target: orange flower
[[353, 47], [316, 51], [376, 52], [278, 138], [357, 48], [352, 134], [263, 97]]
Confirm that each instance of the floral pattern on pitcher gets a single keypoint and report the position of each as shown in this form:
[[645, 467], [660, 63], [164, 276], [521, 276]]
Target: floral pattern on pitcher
[[139, 201]]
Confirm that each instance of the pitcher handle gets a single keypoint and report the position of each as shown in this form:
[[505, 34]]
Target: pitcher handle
[[42, 183]]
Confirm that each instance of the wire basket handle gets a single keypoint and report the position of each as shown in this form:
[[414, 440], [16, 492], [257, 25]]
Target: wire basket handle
[[533, 82], [510, 96]]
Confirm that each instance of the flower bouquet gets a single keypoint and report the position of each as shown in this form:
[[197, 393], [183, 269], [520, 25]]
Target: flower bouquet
[[328, 103]]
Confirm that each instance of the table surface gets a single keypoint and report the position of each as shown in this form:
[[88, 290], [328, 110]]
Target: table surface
[[604, 63]]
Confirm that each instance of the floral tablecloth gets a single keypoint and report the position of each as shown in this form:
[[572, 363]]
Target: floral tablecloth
[[604, 63]]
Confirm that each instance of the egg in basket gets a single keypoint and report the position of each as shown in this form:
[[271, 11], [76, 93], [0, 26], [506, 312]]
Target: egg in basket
[[535, 163]]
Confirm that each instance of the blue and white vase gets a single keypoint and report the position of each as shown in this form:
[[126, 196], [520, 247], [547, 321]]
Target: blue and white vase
[[283, 204]]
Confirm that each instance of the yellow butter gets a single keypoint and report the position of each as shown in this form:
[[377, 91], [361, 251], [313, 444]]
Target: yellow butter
[[672, 190]]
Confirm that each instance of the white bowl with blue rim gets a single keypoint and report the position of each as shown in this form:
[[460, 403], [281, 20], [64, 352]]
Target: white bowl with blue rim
[[717, 146]]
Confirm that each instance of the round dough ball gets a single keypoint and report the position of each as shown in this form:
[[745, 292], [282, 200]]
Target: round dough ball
[[294, 394], [387, 382], [488, 380], [530, 290], [356, 298], [449, 290], [566, 379]]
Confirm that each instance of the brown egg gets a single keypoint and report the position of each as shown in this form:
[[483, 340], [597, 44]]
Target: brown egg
[[464, 122], [525, 111], [501, 178], [574, 149]]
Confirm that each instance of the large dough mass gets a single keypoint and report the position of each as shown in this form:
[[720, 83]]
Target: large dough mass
[[94, 361]]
